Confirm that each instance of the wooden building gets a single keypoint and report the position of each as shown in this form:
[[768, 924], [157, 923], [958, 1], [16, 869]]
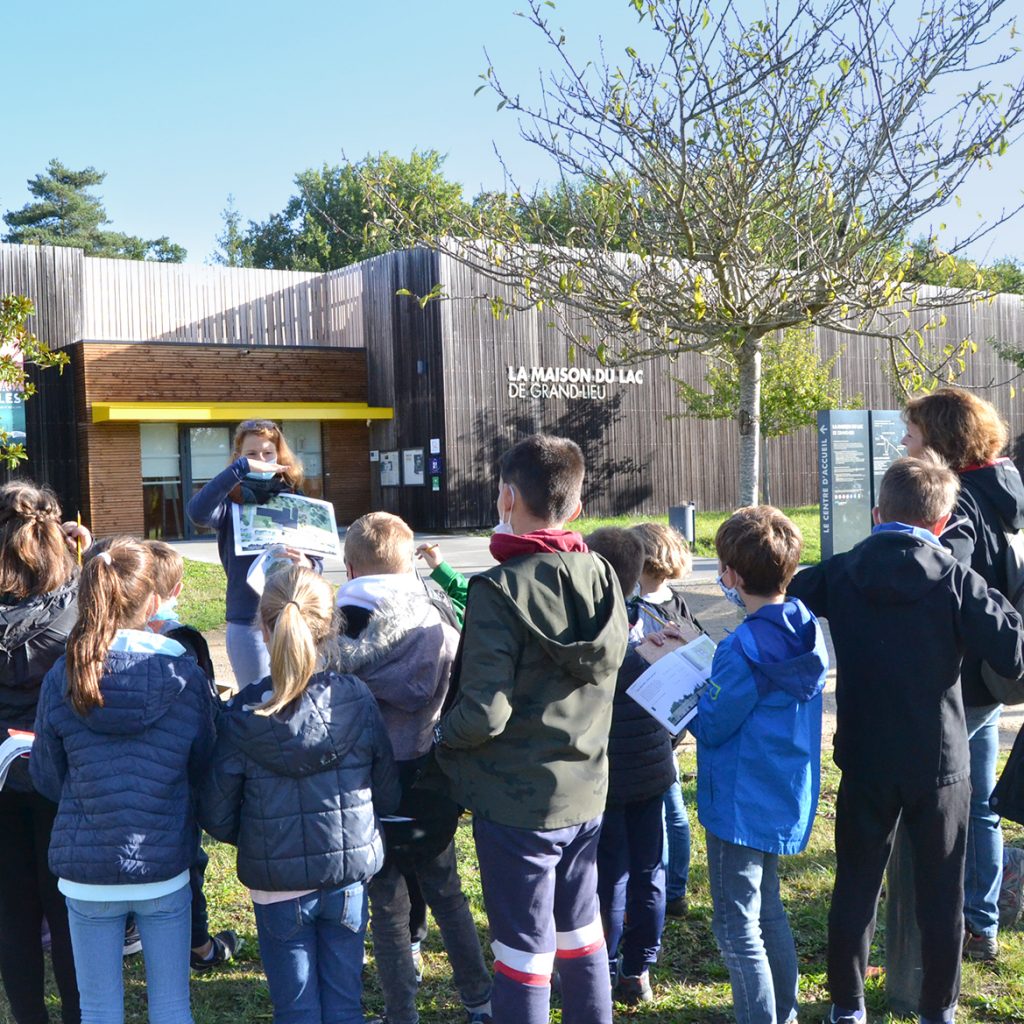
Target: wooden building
[[391, 406]]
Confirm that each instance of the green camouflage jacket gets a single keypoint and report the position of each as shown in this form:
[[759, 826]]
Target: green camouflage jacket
[[525, 742]]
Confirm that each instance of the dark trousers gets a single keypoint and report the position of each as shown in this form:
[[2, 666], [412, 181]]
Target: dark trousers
[[936, 826], [28, 892], [196, 875], [540, 892], [631, 882]]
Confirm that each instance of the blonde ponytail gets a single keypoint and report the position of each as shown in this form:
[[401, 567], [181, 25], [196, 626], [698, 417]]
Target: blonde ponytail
[[297, 613], [113, 594]]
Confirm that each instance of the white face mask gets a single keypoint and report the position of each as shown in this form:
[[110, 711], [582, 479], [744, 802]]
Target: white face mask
[[505, 525], [731, 594]]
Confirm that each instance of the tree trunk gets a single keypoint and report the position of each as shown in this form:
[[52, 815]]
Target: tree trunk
[[749, 420]]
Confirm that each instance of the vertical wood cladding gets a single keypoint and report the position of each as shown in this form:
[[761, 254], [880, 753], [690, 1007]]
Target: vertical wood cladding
[[109, 453]]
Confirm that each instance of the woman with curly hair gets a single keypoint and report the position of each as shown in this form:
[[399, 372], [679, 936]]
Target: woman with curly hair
[[970, 435], [263, 466]]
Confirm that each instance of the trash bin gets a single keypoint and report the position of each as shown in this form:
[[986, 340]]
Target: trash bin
[[682, 518]]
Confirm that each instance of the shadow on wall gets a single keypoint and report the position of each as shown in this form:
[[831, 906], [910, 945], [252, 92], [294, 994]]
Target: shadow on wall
[[612, 486]]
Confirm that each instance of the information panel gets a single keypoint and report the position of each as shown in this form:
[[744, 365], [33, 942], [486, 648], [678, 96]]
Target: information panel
[[855, 448]]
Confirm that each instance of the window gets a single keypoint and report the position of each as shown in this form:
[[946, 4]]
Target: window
[[161, 480], [303, 437]]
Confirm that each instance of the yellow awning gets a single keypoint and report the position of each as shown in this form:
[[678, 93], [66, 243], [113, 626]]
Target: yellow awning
[[232, 412]]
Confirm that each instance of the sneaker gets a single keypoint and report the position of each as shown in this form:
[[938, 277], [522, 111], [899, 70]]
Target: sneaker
[[677, 907], [857, 1017], [478, 1017], [980, 947], [634, 989], [225, 945], [132, 940], [417, 962]]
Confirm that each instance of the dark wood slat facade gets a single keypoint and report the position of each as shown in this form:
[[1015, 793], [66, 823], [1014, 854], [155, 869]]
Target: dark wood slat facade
[[443, 369]]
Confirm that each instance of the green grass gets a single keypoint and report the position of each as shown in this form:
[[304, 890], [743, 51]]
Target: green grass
[[202, 597], [707, 523], [690, 981]]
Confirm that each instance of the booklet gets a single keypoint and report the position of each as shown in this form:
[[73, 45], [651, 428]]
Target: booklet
[[270, 561], [291, 519], [671, 688], [18, 744]]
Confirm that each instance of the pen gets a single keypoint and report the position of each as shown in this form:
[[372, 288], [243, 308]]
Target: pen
[[78, 539]]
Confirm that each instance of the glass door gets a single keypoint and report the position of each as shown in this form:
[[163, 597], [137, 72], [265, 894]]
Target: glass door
[[163, 512], [206, 451]]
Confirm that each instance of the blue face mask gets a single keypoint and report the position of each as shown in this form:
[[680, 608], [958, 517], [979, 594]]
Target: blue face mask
[[731, 594], [166, 611], [260, 476]]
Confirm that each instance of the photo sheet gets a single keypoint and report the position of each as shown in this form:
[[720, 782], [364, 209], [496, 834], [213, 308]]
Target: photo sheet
[[670, 689], [291, 519]]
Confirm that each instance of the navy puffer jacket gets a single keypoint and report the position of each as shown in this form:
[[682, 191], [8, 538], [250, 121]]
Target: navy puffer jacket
[[121, 774], [33, 634], [641, 764], [299, 793]]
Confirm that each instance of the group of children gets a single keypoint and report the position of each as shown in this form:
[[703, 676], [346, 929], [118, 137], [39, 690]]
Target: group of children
[[341, 775]]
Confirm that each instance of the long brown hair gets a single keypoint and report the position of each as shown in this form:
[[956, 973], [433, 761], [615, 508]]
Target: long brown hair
[[272, 432], [34, 558], [297, 611], [114, 592]]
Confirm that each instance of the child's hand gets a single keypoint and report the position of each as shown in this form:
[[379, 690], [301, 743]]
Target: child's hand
[[73, 534], [431, 554], [670, 632]]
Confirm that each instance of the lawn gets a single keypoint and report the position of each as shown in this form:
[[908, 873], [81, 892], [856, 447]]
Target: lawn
[[202, 597], [690, 981], [707, 523]]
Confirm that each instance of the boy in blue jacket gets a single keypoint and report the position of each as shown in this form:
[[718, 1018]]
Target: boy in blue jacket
[[758, 731]]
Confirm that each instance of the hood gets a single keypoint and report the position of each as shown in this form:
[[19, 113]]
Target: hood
[[368, 592], [786, 649], [22, 621], [572, 604], [896, 567], [389, 627], [1001, 486], [320, 730], [141, 679]]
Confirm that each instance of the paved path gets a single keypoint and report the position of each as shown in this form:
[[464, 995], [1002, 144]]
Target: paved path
[[468, 553]]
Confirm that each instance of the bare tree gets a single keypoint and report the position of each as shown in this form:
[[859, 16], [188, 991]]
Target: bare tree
[[753, 175]]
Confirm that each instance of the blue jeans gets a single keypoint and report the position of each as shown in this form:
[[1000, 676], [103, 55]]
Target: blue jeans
[[97, 936], [631, 883], [677, 842], [248, 654], [752, 931], [983, 871], [312, 952]]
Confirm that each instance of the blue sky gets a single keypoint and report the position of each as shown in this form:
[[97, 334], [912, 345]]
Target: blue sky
[[184, 103]]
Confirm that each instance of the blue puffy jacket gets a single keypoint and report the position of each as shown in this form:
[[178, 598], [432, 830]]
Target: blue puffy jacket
[[121, 774], [758, 731], [296, 791]]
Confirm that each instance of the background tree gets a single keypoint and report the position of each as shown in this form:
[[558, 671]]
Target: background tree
[[66, 212], [323, 226], [751, 175], [795, 383], [18, 347]]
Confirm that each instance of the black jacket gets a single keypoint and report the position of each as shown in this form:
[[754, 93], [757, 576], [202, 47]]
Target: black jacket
[[991, 502], [33, 635], [902, 613], [299, 793], [641, 764]]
